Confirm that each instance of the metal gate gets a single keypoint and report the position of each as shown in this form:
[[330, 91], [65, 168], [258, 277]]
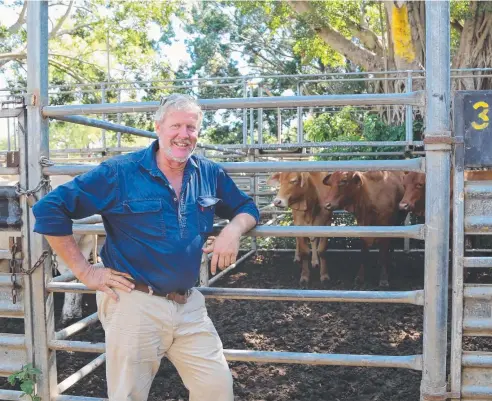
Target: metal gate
[[434, 296], [471, 371]]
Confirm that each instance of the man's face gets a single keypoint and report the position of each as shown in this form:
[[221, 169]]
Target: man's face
[[178, 134]]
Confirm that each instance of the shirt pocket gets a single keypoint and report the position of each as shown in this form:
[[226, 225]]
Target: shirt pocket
[[206, 211], [144, 218]]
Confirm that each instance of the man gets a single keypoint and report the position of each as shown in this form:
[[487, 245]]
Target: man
[[157, 207]]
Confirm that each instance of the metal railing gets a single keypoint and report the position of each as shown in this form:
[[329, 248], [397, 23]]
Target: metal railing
[[41, 339]]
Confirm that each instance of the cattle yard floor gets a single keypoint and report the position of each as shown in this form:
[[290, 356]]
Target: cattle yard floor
[[294, 326]]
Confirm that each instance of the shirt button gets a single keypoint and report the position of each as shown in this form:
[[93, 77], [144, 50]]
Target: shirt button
[[175, 199]]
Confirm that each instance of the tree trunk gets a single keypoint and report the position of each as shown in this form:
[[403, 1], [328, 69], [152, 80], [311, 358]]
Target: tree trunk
[[475, 50]]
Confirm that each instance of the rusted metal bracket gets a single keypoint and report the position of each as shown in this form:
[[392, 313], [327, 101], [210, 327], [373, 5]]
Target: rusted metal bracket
[[13, 158], [441, 397], [442, 138]]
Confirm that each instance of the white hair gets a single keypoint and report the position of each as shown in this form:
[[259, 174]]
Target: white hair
[[177, 101]]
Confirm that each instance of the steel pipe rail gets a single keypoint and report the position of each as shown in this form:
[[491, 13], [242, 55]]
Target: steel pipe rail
[[477, 261], [476, 359], [416, 164], [394, 99], [229, 268], [89, 220], [9, 171], [6, 280], [413, 231], [11, 395], [401, 297], [77, 398], [12, 341], [76, 327], [65, 277], [480, 393], [92, 122], [409, 362], [382, 361], [478, 190], [81, 373], [291, 145], [478, 225]]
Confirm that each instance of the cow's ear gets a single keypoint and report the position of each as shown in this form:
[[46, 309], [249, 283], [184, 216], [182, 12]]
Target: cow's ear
[[406, 172], [357, 178], [326, 179], [273, 180], [304, 179]]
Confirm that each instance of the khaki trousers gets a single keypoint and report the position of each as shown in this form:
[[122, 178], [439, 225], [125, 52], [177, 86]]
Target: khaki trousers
[[141, 329]]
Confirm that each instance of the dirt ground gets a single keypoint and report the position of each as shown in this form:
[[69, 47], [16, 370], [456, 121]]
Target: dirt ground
[[335, 328], [293, 326]]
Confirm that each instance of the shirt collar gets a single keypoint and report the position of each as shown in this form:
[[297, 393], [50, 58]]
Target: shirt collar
[[149, 160]]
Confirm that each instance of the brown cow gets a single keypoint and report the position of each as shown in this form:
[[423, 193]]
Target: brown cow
[[297, 191], [373, 198], [414, 198]]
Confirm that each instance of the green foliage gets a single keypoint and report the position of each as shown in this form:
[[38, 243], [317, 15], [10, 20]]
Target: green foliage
[[353, 124], [26, 377], [77, 48]]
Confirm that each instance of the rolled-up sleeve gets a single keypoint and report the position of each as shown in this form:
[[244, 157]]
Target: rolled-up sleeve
[[88, 194], [233, 200]]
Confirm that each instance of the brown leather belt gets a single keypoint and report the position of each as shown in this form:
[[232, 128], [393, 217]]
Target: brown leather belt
[[178, 297]]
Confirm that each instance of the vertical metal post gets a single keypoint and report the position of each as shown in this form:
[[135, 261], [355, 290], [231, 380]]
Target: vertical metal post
[[25, 235], [118, 135], [300, 127], [8, 134], [406, 241], [260, 116], [252, 158], [409, 112], [103, 100], [279, 126], [38, 145], [458, 254], [252, 121], [245, 114], [204, 271], [433, 384]]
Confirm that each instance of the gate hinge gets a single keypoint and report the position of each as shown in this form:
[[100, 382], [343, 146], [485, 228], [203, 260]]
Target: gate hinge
[[444, 138], [449, 395]]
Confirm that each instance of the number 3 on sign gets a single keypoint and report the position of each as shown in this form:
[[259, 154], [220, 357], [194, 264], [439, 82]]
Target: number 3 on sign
[[483, 115]]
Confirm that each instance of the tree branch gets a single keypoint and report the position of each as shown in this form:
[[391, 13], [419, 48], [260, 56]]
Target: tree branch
[[72, 30], [368, 38], [363, 57], [79, 60], [20, 21], [61, 20], [65, 68], [13, 56], [456, 25]]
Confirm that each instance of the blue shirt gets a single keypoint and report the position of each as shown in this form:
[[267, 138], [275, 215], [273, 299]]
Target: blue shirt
[[151, 235]]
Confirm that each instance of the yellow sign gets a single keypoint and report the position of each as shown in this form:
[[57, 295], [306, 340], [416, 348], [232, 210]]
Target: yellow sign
[[483, 115]]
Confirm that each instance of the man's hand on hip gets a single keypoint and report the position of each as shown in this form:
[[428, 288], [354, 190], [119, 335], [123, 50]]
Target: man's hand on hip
[[105, 279]]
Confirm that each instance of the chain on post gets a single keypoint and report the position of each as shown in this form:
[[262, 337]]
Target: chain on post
[[13, 271], [40, 261], [54, 264], [45, 182]]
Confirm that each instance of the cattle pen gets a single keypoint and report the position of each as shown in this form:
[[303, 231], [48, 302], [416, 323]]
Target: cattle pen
[[471, 304]]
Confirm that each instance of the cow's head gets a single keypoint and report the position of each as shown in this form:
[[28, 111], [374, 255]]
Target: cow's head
[[414, 198], [339, 189], [292, 187]]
